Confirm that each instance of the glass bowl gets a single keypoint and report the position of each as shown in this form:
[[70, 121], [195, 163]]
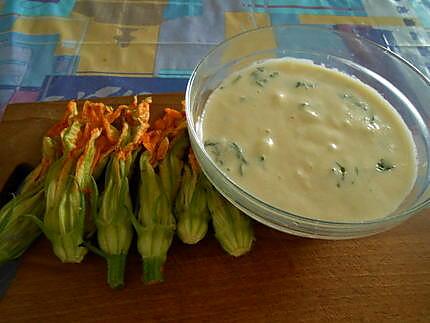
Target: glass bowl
[[397, 80]]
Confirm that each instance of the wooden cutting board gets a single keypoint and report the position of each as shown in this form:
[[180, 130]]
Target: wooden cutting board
[[24, 124], [385, 277]]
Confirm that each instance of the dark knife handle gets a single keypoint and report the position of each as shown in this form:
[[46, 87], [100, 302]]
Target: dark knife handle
[[14, 182]]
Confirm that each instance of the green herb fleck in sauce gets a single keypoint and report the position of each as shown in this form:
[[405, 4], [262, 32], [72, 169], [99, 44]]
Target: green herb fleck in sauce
[[239, 152], [340, 171], [214, 144], [260, 75], [384, 165], [304, 105], [260, 82], [219, 150], [305, 85], [215, 149], [354, 102], [236, 79]]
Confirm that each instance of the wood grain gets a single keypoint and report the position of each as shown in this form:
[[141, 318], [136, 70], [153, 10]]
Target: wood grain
[[377, 279], [383, 278]]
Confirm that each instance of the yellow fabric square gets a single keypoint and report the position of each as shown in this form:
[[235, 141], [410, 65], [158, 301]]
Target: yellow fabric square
[[132, 13], [100, 32], [111, 49], [236, 22], [70, 30]]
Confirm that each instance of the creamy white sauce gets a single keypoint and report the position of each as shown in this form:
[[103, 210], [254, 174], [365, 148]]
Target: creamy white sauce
[[310, 140]]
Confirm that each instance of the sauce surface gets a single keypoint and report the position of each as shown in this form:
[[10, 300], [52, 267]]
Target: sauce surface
[[310, 140]]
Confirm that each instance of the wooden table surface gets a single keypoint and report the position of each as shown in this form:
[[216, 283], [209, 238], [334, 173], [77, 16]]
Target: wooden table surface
[[381, 278]]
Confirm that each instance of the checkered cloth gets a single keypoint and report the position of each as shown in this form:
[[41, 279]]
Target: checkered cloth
[[63, 49]]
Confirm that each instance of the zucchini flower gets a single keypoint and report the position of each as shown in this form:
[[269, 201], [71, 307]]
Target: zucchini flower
[[167, 142], [36, 177], [155, 224], [113, 220], [160, 171], [191, 209], [233, 229], [114, 230], [101, 116], [171, 166], [67, 182], [17, 229]]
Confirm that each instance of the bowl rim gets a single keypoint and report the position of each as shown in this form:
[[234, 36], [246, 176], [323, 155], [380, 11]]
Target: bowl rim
[[286, 215]]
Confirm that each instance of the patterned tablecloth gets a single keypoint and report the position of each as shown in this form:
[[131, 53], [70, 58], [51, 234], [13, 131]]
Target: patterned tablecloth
[[63, 49]]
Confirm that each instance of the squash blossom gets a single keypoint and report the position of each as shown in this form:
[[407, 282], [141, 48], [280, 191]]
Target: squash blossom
[[191, 209], [113, 219]]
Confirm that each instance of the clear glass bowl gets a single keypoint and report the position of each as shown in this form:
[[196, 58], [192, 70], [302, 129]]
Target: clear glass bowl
[[398, 81]]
